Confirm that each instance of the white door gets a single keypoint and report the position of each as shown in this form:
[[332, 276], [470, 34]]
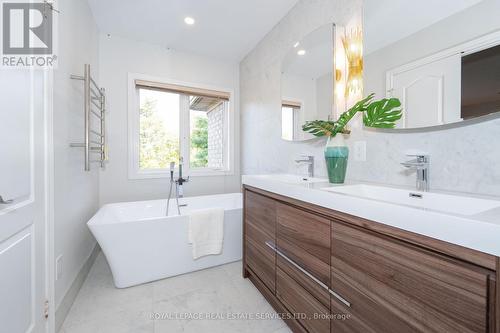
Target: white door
[[22, 220], [429, 92]]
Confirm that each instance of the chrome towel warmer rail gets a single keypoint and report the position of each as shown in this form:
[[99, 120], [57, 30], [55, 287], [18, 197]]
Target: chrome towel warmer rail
[[94, 108]]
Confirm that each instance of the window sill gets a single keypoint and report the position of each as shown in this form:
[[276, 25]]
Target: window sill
[[153, 174], [210, 172]]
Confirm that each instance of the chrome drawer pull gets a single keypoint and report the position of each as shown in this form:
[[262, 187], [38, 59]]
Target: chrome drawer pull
[[271, 245], [340, 298], [281, 254], [324, 286], [5, 202]]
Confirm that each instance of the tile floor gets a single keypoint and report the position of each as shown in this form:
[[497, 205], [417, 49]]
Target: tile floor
[[100, 307]]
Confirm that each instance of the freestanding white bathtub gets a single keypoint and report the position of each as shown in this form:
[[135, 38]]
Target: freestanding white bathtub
[[141, 244]]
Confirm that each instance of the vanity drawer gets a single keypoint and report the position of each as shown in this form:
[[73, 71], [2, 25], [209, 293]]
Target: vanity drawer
[[260, 211], [364, 315], [260, 257], [305, 239], [307, 309], [305, 281], [260, 230], [394, 286]]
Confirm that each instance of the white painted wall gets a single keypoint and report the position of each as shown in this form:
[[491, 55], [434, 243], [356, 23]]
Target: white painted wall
[[462, 159], [119, 56], [76, 193]]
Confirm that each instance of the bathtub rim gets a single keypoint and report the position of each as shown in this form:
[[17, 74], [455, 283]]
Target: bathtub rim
[[98, 219]]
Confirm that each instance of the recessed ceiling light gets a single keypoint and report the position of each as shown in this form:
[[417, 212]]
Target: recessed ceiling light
[[189, 20], [301, 52], [296, 45]]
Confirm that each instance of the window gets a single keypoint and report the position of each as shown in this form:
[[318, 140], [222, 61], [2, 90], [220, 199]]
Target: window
[[159, 135], [207, 132], [172, 122], [289, 119]]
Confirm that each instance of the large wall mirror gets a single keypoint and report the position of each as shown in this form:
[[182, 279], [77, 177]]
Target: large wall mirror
[[440, 58], [307, 82]]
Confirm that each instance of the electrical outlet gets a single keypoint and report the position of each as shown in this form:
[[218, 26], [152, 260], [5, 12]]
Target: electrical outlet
[[360, 151], [59, 270]]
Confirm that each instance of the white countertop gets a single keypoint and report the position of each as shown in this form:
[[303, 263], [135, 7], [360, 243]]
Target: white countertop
[[479, 232]]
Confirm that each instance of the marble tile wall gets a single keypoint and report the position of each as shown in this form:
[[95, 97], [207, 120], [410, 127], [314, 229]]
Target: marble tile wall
[[465, 159]]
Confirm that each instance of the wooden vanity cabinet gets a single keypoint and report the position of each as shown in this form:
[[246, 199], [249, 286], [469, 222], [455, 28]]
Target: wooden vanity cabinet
[[393, 286], [333, 272]]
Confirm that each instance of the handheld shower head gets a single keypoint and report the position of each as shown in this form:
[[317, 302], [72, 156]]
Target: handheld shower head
[[172, 167]]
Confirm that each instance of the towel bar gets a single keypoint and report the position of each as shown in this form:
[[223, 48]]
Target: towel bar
[[98, 100]]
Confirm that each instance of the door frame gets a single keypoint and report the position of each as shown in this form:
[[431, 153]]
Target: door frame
[[471, 46], [49, 197]]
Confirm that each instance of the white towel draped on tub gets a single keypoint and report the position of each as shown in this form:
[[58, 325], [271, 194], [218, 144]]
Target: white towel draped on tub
[[206, 231]]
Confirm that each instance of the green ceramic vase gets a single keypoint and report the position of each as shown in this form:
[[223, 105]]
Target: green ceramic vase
[[336, 156]]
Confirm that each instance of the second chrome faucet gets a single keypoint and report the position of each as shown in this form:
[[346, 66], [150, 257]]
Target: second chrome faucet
[[309, 160], [421, 164]]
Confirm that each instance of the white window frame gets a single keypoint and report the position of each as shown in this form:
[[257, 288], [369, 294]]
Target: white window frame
[[134, 171], [297, 115]]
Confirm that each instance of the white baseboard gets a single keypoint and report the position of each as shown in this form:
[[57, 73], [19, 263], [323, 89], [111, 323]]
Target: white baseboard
[[68, 299]]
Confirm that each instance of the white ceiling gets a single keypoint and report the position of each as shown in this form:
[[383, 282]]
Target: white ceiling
[[224, 29], [387, 21]]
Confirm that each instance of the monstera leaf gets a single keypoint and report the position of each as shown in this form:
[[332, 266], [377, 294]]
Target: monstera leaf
[[332, 128], [346, 117], [383, 113], [319, 127]]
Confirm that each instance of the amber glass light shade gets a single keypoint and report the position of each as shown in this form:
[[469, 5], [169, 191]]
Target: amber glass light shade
[[353, 46]]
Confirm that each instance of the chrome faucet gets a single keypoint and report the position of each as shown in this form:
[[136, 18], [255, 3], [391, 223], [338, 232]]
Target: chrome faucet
[[421, 165], [310, 164], [179, 193], [172, 181]]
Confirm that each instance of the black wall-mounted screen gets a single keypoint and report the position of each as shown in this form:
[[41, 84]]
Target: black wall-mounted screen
[[481, 83]]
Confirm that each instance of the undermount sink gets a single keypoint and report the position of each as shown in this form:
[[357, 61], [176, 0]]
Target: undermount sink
[[294, 179], [446, 203]]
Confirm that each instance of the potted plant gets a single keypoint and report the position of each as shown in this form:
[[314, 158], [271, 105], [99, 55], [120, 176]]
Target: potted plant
[[381, 113]]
